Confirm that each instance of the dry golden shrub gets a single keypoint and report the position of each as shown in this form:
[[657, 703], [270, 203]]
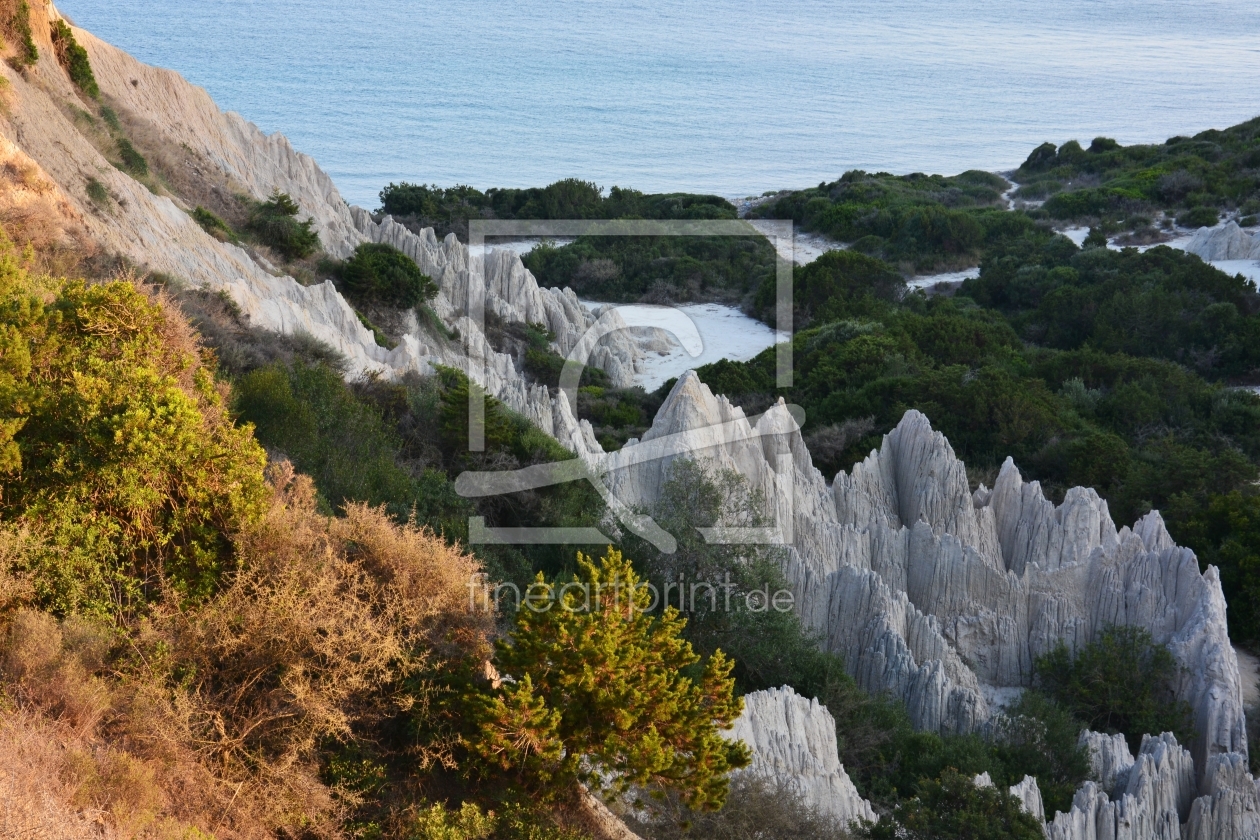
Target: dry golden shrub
[[35, 214], [213, 716], [35, 801], [329, 629], [53, 667]]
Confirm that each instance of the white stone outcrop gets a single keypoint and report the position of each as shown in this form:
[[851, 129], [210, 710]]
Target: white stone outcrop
[[793, 742], [1157, 796], [1227, 242], [1026, 791], [937, 594]]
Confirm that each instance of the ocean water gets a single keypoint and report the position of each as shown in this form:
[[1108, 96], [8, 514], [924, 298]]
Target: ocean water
[[724, 96]]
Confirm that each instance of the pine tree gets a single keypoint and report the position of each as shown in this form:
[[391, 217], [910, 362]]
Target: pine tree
[[603, 694]]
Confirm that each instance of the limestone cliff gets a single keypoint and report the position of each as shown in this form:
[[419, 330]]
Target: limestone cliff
[[793, 739], [938, 594], [215, 152]]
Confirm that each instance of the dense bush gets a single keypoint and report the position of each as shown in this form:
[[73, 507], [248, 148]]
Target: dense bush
[[214, 225], [928, 221], [1139, 430], [18, 27], [274, 222], [117, 450], [1199, 217], [382, 274], [449, 209], [1162, 303], [755, 810], [837, 284], [74, 58], [953, 807], [1224, 531], [663, 269], [1120, 682]]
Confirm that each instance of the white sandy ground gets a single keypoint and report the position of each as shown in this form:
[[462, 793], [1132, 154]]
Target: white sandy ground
[[725, 333]]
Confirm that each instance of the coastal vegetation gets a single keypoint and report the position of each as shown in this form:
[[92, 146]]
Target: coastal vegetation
[[17, 29], [924, 222], [382, 274], [449, 209], [1194, 179], [656, 269]]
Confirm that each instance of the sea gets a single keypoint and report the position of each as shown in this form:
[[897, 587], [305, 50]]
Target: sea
[[721, 96]]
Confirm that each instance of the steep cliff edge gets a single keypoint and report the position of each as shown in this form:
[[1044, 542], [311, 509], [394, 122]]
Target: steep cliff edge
[[215, 152]]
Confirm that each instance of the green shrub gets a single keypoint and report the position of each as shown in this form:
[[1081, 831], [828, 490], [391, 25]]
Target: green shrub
[[379, 337], [132, 161], [1038, 737], [610, 695], [380, 273], [19, 27], [309, 414], [1224, 531], [116, 448], [1120, 682], [1249, 221], [1097, 238], [74, 59], [952, 807], [274, 222], [214, 225], [1199, 217]]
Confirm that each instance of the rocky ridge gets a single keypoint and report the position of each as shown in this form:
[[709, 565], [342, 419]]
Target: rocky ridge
[[224, 152], [793, 741], [937, 594]]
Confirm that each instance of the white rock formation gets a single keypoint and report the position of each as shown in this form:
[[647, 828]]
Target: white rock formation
[[1027, 792], [1156, 795], [793, 741], [1227, 242], [931, 591]]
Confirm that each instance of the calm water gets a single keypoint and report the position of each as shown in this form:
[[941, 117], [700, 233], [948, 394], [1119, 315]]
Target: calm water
[[726, 96]]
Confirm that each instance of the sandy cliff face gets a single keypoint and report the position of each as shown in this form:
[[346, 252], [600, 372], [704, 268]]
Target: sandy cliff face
[[217, 151]]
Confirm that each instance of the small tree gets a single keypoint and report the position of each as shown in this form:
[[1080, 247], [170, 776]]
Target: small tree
[[74, 58], [275, 223], [382, 274], [1120, 682], [952, 807], [603, 694]]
